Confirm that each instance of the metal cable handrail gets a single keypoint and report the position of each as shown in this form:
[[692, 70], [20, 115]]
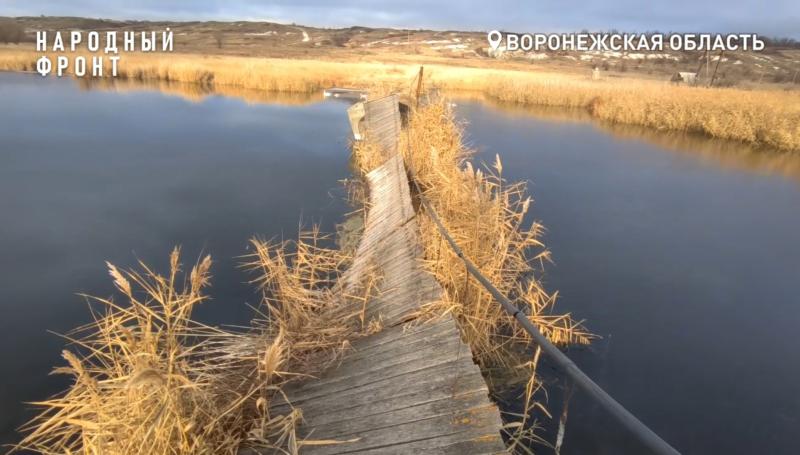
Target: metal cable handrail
[[643, 433]]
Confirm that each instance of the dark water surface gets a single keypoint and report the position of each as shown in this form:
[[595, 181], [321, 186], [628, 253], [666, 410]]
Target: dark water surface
[[90, 176], [684, 255]]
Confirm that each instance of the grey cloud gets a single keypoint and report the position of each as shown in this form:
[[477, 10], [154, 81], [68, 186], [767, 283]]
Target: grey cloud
[[775, 18]]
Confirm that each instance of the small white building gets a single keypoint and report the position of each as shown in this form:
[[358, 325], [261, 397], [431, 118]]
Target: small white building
[[684, 77]]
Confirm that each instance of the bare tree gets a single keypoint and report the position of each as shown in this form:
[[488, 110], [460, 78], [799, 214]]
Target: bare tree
[[11, 31], [219, 37]]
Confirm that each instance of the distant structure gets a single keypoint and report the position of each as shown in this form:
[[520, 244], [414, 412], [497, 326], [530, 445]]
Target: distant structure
[[498, 52], [347, 93], [684, 77]]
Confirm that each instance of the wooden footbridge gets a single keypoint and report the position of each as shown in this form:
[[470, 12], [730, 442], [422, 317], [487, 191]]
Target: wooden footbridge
[[413, 386]]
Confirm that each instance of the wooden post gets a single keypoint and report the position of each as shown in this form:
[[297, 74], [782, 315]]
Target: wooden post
[[700, 66], [419, 86], [714, 76]]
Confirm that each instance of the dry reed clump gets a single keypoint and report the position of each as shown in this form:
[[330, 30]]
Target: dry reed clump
[[142, 383], [761, 117], [486, 217], [304, 306], [148, 379], [199, 93], [725, 153], [271, 74], [17, 60], [306, 324]]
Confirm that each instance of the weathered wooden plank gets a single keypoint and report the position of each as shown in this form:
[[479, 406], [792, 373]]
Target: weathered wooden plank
[[395, 396], [446, 445], [397, 400], [448, 405], [385, 338], [395, 361], [390, 244], [412, 367], [469, 424], [382, 122]]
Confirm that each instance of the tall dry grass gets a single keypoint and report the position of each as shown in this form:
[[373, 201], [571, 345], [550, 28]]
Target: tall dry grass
[[487, 217], [270, 74], [763, 117], [198, 93], [725, 153], [142, 380], [148, 379], [767, 117], [303, 303]]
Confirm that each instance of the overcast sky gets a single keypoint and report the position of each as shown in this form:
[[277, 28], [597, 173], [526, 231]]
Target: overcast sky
[[767, 17]]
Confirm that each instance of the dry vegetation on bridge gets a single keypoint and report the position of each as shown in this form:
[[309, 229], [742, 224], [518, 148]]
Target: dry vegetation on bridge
[[148, 379], [487, 217]]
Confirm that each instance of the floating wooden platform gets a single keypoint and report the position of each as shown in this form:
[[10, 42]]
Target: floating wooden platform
[[412, 387], [349, 93]]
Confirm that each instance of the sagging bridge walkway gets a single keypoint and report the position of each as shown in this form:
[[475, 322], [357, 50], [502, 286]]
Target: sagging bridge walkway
[[412, 387]]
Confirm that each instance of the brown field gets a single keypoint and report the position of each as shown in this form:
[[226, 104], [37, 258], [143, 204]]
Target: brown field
[[775, 66]]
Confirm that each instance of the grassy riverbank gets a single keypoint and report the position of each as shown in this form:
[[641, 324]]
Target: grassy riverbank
[[762, 117]]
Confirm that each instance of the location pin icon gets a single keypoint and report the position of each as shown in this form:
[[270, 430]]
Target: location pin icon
[[494, 39]]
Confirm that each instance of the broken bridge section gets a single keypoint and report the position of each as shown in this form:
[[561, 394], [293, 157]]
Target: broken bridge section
[[413, 386]]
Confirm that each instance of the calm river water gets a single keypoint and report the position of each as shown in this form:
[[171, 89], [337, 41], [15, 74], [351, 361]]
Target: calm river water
[[682, 253], [90, 176]]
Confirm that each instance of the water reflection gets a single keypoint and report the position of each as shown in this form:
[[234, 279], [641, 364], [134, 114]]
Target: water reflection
[[724, 153], [686, 267], [200, 92]]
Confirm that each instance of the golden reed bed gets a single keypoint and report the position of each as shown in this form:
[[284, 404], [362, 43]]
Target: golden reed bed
[[762, 117]]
